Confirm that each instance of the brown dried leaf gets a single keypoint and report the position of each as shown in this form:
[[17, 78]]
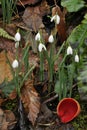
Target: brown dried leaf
[[13, 95], [31, 2], [31, 101], [61, 28], [33, 59], [32, 19], [7, 45], [10, 117], [7, 119], [3, 122], [5, 72], [32, 16]]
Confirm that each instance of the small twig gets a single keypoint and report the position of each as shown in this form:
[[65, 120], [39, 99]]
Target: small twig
[[55, 2], [56, 96], [48, 124], [50, 99], [12, 123], [21, 3]]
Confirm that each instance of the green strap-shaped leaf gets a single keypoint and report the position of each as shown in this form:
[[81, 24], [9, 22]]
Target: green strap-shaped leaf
[[73, 5], [4, 34], [78, 36]]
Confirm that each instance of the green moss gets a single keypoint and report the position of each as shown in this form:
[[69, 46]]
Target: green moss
[[10, 105], [80, 123]]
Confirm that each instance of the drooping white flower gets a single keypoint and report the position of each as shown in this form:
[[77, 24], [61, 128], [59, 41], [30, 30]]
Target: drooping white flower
[[37, 37], [16, 44], [15, 64], [56, 18], [51, 38], [69, 50], [76, 58], [41, 46], [17, 37]]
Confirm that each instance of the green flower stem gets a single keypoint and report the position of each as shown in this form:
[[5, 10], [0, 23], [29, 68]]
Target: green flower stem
[[16, 54], [3, 10], [16, 78], [51, 65], [26, 75], [60, 88], [63, 60], [41, 66], [57, 55]]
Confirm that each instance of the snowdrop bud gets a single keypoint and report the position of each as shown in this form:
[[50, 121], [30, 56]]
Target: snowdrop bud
[[51, 39], [69, 50], [16, 44], [15, 64], [17, 37], [41, 46], [37, 37], [76, 58], [56, 18]]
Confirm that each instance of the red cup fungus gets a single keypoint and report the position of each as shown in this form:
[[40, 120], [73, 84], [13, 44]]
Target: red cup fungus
[[68, 109]]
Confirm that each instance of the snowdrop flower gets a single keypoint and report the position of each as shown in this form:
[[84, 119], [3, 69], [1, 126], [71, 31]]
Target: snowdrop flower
[[37, 37], [69, 50], [51, 39], [15, 64], [56, 18], [41, 46], [17, 37], [76, 58], [16, 44]]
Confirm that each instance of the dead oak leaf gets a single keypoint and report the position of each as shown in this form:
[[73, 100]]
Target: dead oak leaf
[[61, 27], [31, 101], [32, 19], [31, 2], [3, 122], [32, 16], [5, 72]]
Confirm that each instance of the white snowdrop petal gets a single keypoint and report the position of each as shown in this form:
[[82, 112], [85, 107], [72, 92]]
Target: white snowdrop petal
[[15, 64], [51, 39], [44, 47], [53, 18], [76, 58], [16, 44], [37, 37], [41, 46], [17, 37], [69, 50], [57, 19]]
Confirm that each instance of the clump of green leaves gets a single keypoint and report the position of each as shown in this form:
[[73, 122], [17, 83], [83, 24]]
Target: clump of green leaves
[[73, 5], [4, 34], [8, 8], [19, 76]]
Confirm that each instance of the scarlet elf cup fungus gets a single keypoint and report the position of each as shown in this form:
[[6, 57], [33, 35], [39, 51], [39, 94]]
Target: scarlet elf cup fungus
[[68, 109]]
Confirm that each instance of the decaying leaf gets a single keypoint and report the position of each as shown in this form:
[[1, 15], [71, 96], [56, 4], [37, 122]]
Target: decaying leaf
[[5, 72], [3, 122], [7, 44], [13, 95], [33, 59], [4, 34], [32, 16], [7, 119], [31, 101], [31, 2], [10, 118], [61, 27]]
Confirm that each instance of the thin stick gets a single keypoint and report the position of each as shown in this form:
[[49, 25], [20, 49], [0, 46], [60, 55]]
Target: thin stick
[[55, 2], [50, 99]]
